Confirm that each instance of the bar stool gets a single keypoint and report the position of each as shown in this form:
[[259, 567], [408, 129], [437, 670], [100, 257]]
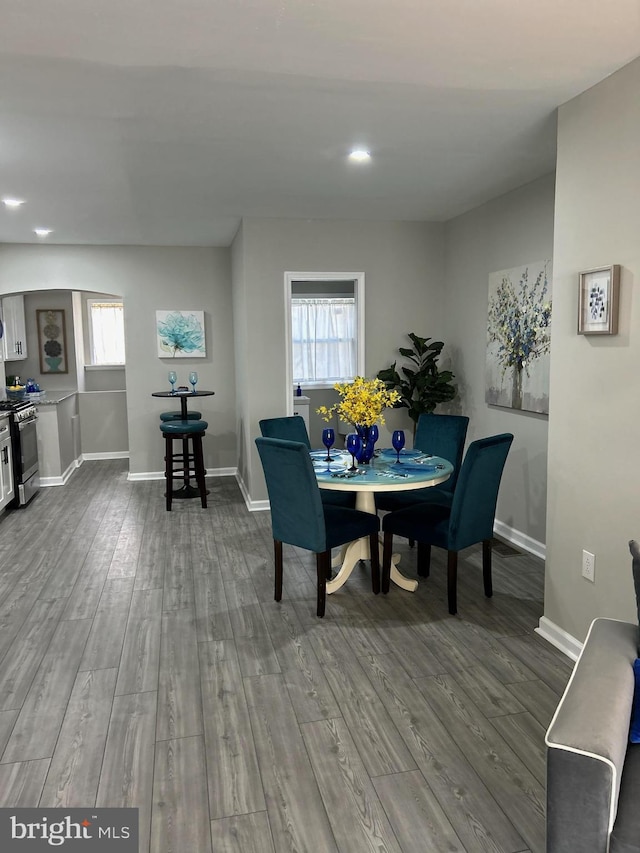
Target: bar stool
[[177, 416], [184, 464]]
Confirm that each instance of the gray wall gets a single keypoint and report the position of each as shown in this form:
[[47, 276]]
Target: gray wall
[[404, 285], [149, 278], [103, 421], [594, 451], [509, 231]]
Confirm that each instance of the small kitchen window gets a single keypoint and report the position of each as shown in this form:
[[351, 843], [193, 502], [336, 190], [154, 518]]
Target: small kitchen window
[[106, 332]]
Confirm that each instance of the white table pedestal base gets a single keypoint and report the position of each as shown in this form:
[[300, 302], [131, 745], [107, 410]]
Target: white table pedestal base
[[359, 550]]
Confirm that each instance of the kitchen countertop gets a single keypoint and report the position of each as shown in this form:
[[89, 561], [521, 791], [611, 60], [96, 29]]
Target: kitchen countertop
[[54, 397]]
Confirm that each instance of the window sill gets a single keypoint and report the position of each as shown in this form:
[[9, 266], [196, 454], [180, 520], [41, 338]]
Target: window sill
[[104, 366]]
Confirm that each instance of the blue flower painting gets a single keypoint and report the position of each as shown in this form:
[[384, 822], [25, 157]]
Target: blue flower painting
[[519, 338], [180, 334]]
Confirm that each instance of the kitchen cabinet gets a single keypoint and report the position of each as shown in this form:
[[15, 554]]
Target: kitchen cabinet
[[7, 487], [14, 339]]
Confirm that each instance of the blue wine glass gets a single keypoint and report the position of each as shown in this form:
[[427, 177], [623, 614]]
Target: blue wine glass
[[397, 439], [374, 435], [354, 446], [193, 379], [173, 378], [328, 439]]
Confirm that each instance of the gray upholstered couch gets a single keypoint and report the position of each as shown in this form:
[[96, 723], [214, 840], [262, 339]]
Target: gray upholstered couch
[[593, 773]]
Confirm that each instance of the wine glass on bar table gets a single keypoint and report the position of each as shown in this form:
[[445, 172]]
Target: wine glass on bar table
[[173, 378], [193, 379]]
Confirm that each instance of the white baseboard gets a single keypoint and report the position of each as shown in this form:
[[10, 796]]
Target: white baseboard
[[45, 482], [559, 638], [252, 506], [111, 454], [159, 475], [520, 540]]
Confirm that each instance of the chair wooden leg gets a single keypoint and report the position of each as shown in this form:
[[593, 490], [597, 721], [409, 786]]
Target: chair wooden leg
[[277, 559], [375, 563], [424, 559], [486, 567], [386, 561], [323, 563], [452, 581]]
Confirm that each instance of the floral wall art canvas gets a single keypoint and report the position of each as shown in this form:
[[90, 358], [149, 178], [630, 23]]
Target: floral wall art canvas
[[519, 337], [180, 334], [52, 341]]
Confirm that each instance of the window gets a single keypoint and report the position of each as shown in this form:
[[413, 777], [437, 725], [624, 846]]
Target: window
[[106, 332], [323, 332]]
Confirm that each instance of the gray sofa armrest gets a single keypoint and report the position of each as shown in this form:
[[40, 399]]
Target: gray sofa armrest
[[587, 741]]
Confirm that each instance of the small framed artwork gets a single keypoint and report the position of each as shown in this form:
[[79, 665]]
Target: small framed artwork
[[180, 334], [52, 341], [598, 301]]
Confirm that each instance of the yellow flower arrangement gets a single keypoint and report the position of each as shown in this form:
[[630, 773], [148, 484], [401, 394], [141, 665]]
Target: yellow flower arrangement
[[361, 402]]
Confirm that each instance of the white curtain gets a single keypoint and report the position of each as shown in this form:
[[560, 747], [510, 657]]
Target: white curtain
[[324, 339], [107, 332]]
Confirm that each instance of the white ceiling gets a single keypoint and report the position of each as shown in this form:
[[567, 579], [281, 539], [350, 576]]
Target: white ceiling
[[165, 121]]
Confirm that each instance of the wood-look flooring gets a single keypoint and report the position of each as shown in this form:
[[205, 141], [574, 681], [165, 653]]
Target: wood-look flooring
[[144, 662]]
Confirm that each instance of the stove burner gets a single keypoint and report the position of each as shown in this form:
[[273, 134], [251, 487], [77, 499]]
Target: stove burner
[[14, 405]]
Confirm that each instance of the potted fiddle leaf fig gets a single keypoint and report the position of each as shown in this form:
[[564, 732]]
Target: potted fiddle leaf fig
[[421, 384]]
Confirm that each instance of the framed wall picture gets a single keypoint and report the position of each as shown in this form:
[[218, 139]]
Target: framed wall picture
[[52, 341], [598, 301], [180, 334]]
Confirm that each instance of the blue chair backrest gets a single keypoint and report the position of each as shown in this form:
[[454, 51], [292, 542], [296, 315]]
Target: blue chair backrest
[[474, 503], [288, 429], [297, 516], [443, 435]]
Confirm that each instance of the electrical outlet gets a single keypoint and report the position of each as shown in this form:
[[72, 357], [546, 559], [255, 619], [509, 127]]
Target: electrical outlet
[[589, 566]]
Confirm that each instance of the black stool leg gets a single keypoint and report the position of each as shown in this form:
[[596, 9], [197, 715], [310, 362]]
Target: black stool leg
[[185, 459], [199, 467], [168, 470]]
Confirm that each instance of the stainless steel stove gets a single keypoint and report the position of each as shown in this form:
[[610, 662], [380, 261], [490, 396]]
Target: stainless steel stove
[[24, 442]]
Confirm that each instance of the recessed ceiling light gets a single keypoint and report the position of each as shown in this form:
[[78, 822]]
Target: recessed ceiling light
[[12, 202], [360, 155], [42, 232]]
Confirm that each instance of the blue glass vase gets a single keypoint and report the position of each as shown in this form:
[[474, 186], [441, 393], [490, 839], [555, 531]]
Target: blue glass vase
[[368, 443]]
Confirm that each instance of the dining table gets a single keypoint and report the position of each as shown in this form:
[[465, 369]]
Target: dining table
[[387, 471]]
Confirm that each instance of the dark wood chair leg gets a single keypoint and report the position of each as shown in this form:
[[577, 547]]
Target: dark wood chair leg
[[277, 559], [375, 563], [198, 460], [386, 561], [168, 470], [323, 562], [486, 567], [424, 559], [452, 581]]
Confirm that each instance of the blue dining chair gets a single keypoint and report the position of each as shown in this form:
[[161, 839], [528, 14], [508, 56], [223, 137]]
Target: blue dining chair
[[439, 435], [468, 520], [298, 516], [293, 429]]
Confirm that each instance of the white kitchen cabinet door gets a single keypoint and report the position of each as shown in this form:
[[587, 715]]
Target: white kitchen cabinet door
[[14, 339], [7, 487]]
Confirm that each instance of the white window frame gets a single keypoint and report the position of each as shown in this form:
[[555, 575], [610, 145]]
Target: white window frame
[[95, 301], [358, 290]]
